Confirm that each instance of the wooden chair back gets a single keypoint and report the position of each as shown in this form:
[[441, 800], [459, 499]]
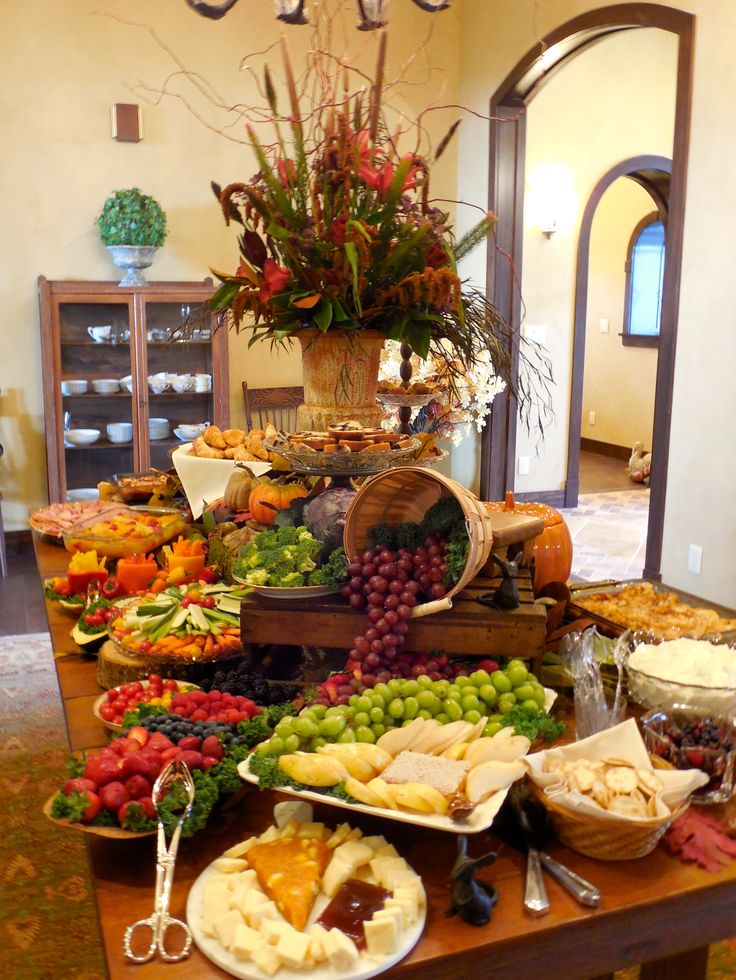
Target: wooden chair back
[[275, 405]]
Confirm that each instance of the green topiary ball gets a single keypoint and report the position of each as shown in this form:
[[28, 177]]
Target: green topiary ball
[[131, 218]]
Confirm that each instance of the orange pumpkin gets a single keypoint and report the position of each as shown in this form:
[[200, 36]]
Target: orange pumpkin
[[553, 547], [266, 500]]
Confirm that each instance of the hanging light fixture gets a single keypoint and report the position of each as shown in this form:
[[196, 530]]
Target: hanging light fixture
[[290, 11], [372, 13]]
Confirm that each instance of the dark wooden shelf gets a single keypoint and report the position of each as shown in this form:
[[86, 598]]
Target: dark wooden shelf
[[124, 394], [125, 344]]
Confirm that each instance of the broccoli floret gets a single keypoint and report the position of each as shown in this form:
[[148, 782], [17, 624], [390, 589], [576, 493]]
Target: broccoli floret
[[266, 541], [305, 564], [443, 516], [303, 534], [272, 558], [319, 576], [249, 558], [257, 576], [290, 581], [287, 535]]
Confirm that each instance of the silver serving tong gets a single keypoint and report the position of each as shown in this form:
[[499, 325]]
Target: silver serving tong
[[160, 922]]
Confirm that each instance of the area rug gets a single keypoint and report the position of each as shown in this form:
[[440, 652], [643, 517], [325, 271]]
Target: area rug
[[48, 916]]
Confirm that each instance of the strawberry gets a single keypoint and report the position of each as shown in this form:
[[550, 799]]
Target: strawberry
[[137, 786], [213, 747], [193, 760], [101, 770], [94, 806], [140, 734], [159, 742], [190, 743], [113, 795], [79, 785]]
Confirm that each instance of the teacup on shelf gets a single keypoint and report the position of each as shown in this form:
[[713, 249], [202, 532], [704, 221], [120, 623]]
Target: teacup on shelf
[[181, 382], [100, 334], [127, 382], [158, 383]]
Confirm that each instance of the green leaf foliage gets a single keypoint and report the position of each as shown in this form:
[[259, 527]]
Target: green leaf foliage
[[130, 217]]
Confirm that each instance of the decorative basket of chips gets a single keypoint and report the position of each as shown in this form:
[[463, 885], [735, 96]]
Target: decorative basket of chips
[[605, 798]]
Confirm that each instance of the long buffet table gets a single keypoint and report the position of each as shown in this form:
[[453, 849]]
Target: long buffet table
[[655, 911]]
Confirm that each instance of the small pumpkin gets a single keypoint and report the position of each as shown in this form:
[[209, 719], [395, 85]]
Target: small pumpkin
[[239, 488], [553, 547], [266, 500]]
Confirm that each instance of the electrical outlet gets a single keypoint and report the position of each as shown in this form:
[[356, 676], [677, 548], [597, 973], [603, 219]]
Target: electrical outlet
[[523, 466], [695, 559], [604, 325], [591, 418]]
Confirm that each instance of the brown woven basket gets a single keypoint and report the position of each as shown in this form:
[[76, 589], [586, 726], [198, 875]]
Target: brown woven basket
[[406, 494], [604, 839]]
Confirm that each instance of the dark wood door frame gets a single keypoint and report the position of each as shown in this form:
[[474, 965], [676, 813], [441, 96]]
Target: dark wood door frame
[[506, 182], [639, 169]]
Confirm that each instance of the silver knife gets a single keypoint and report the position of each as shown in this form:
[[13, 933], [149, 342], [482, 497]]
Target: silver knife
[[579, 888], [535, 893]]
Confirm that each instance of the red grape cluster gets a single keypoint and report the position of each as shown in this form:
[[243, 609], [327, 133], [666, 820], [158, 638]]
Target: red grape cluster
[[390, 584]]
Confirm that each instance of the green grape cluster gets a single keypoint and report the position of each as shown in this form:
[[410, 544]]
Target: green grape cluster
[[368, 715]]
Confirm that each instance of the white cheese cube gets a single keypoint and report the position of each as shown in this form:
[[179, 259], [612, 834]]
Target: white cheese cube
[[245, 941], [375, 842], [412, 891], [272, 929], [271, 833], [241, 849], [266, 958], [215, 903], [312, 831], [355, 834], [387, 850], [338, 835], [226, 926], [292, 948], [341, 950], [335, 876], [382, 866], [406, 908], [353, 853], [267, 910], [381, 936], [254, 899], [229, 865], [316, 943], [293, 810], [396, 878], [394, 912]]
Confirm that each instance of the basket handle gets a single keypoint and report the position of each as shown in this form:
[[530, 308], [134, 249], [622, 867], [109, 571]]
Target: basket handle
[[427, 608]]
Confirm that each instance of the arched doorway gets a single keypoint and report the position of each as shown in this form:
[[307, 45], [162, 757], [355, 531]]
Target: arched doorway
[[506, 189], [653, 173]]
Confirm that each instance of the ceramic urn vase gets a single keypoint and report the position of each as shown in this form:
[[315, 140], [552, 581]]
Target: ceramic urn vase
[[340, 370], [133, 259]]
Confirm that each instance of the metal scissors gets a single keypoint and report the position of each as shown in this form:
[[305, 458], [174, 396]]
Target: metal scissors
[[160, 922]]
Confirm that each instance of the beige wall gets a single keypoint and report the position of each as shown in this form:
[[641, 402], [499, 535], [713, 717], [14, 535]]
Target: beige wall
[[618, 381], [63, 66], [702, 463]]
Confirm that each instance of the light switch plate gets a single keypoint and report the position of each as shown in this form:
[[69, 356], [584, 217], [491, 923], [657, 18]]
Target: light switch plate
[[523, 466], [695, 559], [605, 324]]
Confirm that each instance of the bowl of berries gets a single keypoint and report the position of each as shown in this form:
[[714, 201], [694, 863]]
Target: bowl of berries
[[156, 693], [686, 739]]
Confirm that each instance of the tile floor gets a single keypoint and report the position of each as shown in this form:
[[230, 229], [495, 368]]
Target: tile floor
[[609, 534]]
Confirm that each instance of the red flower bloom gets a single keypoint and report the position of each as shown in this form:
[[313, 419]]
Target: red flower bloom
[[287, 171], [382, 179], [274, 280]]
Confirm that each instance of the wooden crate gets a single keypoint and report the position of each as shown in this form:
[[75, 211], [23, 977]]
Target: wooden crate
[[468, 629]]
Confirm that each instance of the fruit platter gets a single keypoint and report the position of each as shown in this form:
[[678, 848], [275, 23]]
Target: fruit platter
[[305, 899]]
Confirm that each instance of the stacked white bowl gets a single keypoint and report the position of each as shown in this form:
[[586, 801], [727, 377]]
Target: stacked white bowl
[[120, 432], [158, 428], [203, 382], [77, 386], [105, 386]]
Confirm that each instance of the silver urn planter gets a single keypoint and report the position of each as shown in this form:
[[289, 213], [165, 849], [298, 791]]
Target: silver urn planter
[[133, 259]]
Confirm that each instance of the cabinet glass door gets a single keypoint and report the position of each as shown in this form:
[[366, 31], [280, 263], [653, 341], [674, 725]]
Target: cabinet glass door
[[180, 372], [96, 392]]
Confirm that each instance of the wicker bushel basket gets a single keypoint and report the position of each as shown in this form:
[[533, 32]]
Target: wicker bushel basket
[[406, 494], [605, 839]]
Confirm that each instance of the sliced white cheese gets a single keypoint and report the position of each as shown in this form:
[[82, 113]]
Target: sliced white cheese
[[407, 908], [293, 947], [387, 850], [317, 934], [381, 936], [375, 842], [245, 941], [272, 930], [225, 927], [353, 853], [266, 911], [229, 865], [411, 891], [341, 950], [381, 866], [241, 849], [312, 831], [338, 835], [266, 958], [335, 876], [394, 912], [271, 833], [297, 810], [355, 834]]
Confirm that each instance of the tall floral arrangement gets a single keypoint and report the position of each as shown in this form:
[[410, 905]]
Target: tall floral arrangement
[[340, 231]]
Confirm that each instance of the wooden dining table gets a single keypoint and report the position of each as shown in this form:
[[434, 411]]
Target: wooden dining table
[[654, 911]]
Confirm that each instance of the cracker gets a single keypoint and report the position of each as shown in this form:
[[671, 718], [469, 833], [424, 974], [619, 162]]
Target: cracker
[[621, 779], [627, 806]]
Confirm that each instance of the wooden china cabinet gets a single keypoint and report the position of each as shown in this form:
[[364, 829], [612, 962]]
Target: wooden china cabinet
[[160, 328]]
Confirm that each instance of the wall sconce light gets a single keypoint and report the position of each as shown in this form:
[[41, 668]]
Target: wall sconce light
[[551, 201]]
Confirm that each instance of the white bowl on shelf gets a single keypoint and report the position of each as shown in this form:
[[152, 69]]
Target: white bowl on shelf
[[158, 383], [81, 437], [202, 382], [181, 383], [77, 386], [120, 432], [127, 382], [158, 428], [105, 386], [187, 432]]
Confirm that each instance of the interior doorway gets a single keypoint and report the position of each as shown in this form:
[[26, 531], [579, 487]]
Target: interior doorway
[[508, 141]]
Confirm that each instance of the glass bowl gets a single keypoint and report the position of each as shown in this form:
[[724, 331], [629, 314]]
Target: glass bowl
[[688, 739], [121, 531]]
